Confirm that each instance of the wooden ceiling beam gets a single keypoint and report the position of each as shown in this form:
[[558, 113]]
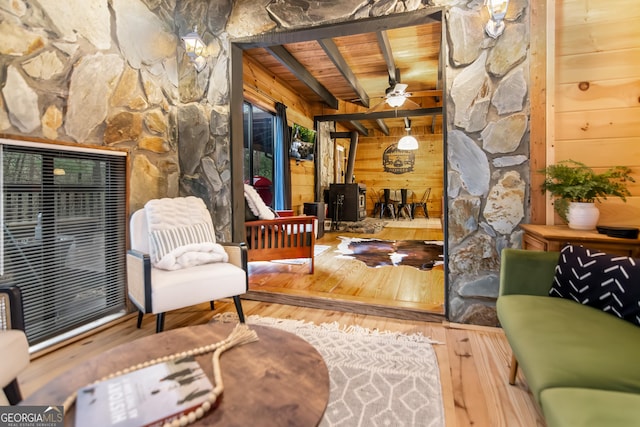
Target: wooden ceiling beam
[[301, 73], [374, 115], [383, 126], [360, 127], [336, 57], [387, 54], [341, 29]]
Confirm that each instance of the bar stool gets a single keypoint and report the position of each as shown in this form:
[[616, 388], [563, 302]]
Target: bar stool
[[404, 206], [422, 204], [387, 204], [377, 202]]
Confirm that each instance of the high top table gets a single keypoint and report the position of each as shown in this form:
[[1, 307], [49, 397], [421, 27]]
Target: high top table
[[279, 380]]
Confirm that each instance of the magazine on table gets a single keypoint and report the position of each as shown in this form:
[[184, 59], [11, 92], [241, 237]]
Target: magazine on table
[[149, 396]]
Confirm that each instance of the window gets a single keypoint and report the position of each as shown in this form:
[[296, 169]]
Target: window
[[64, 229], [259, 137]]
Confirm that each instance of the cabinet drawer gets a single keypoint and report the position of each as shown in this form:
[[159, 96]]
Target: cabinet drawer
[[530, 243]]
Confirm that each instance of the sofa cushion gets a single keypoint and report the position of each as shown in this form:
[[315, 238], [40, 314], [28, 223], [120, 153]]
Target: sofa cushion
[[582, 407], [561, 343], [608, 282]]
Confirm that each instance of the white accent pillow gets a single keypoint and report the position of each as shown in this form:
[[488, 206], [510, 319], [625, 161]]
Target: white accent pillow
[[181, 233], [256, 204]]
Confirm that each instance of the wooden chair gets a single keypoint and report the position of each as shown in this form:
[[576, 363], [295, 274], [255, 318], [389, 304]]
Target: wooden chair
[[13, 341], [269, 236], [186, 224], [422, 204]]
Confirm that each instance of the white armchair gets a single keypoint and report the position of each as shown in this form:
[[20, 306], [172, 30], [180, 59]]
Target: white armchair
[[13, 344], [175, 262]]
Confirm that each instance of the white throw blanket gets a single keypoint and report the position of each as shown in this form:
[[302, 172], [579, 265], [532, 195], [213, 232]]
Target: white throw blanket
[[192, 255], [181, 234], [256, 204]]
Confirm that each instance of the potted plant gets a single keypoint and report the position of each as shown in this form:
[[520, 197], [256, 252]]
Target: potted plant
[[576, 187]]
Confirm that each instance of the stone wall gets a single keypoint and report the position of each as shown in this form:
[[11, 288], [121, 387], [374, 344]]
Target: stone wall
[[113, 73], [487, 153], [97, 73], [487, 129]]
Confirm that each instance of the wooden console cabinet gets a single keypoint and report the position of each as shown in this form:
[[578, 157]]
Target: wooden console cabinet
[[554, 237]]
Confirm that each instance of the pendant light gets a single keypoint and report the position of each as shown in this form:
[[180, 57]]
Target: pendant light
[[408, 142]]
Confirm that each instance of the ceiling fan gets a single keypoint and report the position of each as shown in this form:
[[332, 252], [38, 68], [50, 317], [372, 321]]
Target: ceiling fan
[[395, 97], [396, 94]]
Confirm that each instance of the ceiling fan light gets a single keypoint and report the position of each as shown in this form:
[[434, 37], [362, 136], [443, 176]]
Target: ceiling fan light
[[408, 142], [396, 101]]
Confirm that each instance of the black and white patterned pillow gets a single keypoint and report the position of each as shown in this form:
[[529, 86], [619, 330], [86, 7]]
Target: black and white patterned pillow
[[605, 281]]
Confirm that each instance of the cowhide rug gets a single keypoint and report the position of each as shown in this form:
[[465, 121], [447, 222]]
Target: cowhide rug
[[420, 254]]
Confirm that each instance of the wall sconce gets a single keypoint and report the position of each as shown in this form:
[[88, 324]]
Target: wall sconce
[[497, 11], [408, 142], [195, 46]]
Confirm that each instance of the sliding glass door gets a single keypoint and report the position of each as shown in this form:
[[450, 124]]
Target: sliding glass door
[[259, 137]]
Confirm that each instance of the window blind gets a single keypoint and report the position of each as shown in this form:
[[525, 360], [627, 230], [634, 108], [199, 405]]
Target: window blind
[[64, 234]]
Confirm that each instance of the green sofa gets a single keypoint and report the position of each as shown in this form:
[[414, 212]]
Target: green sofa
[[581, 364]]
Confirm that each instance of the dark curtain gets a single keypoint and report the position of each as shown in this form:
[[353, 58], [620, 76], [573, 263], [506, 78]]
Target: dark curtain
[[282, 172]]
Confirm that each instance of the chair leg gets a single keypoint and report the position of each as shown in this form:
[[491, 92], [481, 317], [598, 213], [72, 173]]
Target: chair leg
[[392, 210], [159, 322], [513, 371], [12, 391], [238, 304], [212, 305], [140, 314]]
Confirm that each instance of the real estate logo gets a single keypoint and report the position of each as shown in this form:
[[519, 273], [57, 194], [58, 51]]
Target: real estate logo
[[31, 416]]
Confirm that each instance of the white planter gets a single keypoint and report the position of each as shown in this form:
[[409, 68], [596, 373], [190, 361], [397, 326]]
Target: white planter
[[583, 216]]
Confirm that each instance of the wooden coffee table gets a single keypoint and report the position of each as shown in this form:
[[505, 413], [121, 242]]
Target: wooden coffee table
[[276, 381]]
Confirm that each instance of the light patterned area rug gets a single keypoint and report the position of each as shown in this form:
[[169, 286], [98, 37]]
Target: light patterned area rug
[[376, 378]]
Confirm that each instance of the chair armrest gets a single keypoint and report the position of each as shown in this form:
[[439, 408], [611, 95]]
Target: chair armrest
[[527, 272], [296, 219], [139, 279], [237, 253], [15, 313]]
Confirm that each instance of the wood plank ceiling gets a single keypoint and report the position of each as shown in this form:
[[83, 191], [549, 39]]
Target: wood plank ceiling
[[352, 72]]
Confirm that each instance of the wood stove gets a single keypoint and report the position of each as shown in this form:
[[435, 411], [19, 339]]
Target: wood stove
[[347, 202]]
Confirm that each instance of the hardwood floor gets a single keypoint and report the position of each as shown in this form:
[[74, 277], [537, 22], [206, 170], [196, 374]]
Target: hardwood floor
[[347, 284], [473, 361]]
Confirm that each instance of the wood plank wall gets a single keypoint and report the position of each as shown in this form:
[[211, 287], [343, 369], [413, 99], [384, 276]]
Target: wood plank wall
[[302, 184], [597, 93], [428, 171]]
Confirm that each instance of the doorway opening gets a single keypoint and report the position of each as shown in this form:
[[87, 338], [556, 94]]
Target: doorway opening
[[427, 118]]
